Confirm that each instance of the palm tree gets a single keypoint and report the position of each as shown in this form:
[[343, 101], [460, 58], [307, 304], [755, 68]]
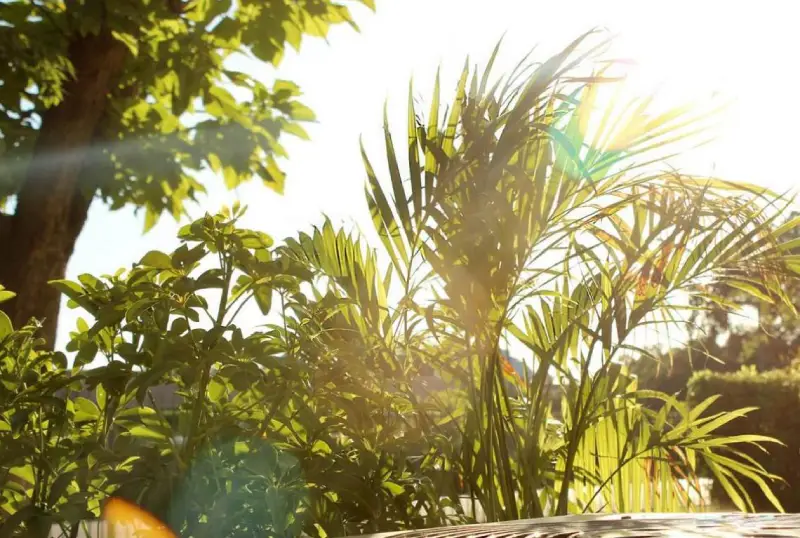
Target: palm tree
[[530, 213]]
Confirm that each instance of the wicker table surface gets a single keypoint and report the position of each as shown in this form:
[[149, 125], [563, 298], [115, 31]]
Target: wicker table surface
[[631, 525]]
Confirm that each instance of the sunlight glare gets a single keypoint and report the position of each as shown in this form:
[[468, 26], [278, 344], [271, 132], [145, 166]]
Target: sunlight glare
[[121, 513]]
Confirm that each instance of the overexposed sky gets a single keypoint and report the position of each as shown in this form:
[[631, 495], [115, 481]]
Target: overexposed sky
[[744, 52]]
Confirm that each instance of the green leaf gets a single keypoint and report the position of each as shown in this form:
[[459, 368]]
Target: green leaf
[[16, 487], [85, 410], [216, 389], [383, 217], [86, 353], [263, 296], [401, 201], [144, 432], [253, 239], [320, 531], [156, 259], [414, 166], [24, 473], [321, 447], [128, 40], [751, 289], [5, 325], [393, 488], [272, 176], [5, 294], [68, 287], [151, 217], [59, 487], [179, 326]]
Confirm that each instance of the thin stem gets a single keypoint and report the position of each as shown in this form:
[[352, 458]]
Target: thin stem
[[205, 378]]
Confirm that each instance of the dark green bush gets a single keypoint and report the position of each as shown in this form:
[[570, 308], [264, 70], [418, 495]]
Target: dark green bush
[[776, 394]]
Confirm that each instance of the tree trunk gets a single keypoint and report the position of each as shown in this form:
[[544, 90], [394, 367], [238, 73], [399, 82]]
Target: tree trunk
[[37, 241]]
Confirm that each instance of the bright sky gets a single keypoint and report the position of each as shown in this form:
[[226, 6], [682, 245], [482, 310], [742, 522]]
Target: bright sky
[[743, 51]]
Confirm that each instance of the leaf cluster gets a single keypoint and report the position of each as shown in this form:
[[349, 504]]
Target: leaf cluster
[[180, 103]]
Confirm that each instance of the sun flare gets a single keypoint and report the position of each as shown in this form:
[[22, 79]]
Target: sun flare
[[121, 513]]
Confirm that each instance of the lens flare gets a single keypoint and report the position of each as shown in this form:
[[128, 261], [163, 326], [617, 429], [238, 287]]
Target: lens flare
[[140, 523]]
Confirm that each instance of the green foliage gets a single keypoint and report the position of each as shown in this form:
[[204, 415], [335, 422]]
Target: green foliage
[[740, 329], [274, 434], [316, 423], [44, 439], [530, 219], [776, 396], [179, 103], [345, 412], [5, 323]]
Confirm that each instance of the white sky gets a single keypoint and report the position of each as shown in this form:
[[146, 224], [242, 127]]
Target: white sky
[[743, 51]]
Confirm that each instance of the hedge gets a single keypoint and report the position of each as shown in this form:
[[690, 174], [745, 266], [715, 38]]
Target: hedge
[[776, 393]]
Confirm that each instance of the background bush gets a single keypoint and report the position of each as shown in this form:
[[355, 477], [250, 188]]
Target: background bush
[[776, 393]]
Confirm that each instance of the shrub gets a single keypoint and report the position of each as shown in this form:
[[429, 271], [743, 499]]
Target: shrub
[[776, 394], [272, 435]]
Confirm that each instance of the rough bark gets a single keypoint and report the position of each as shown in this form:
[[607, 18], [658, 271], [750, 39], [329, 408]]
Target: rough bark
[[52, 204]]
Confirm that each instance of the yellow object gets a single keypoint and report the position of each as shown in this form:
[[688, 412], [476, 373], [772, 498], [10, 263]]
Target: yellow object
[[119, 513]]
